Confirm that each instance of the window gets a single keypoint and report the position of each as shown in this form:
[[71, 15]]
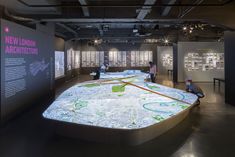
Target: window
[[92, 58], [117, 58], [141, 58]]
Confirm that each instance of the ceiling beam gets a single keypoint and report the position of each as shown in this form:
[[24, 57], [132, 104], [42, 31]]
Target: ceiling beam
[[145, 9], [166, 10], [121, 20], [122, 6], [85, 10], [67, 28]]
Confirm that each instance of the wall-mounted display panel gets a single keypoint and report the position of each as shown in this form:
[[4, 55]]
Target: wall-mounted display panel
[[117, 58], [27, 67], [77, 59], [73, 59], [201, 61], [204, 62], [141, 58], [59, 64], [167, 61], [92, 58]]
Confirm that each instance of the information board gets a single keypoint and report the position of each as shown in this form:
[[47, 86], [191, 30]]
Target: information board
[[27, 67]]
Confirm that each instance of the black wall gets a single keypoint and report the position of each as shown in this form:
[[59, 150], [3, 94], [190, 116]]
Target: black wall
[[175, 63], [229, 47]]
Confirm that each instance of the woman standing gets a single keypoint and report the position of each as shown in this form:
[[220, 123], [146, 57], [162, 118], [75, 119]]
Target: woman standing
[[152, 71]]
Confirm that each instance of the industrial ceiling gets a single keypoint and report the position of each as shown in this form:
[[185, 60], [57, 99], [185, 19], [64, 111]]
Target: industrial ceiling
[[128, 19]]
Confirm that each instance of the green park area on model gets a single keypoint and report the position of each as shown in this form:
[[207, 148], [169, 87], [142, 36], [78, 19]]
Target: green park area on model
[[152, 87], [183, 106], [80, 104], [91, 85], [119, 88], [158, 118]]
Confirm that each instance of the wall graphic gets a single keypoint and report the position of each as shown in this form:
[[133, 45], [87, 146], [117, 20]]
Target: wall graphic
[[27, 70]]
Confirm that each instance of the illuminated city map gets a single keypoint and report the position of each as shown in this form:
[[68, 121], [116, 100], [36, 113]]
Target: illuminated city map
[[126, 103]]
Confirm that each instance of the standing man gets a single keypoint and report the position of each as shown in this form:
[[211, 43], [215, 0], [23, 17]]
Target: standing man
[[152, 71]]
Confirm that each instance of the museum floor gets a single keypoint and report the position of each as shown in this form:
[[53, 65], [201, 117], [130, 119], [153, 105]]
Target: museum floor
[[208, 131]]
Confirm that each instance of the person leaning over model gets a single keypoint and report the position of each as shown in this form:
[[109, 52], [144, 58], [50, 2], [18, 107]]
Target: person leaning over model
[[152, 71]]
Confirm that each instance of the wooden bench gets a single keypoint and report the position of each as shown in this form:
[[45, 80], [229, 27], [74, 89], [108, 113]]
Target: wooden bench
[[219, 80]]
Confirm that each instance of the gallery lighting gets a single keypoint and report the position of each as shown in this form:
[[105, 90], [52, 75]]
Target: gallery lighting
[[166, 41], [184, 28]]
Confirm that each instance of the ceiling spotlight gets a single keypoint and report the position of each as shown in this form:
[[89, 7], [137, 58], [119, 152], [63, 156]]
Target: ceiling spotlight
[[191, 28], [95, 41], [184, 28], [190, 31], [166, 41]]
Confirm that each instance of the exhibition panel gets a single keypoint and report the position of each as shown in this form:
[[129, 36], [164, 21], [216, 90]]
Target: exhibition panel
[[27, 67], [59, 64], [164, 59], [200, 61]]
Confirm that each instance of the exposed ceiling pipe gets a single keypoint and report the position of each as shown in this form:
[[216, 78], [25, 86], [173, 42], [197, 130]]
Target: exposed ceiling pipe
[[145, 10], [85, 10], [167, 9], [122, 6], [190, 9]]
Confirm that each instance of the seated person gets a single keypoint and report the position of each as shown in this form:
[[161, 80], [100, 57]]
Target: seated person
[[103, 68], [97, 76]]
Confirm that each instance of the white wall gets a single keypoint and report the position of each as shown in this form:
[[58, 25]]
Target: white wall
[[199, 47], [161, 51]]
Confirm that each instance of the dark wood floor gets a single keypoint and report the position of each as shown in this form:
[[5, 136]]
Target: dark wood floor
[[208, 131]]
